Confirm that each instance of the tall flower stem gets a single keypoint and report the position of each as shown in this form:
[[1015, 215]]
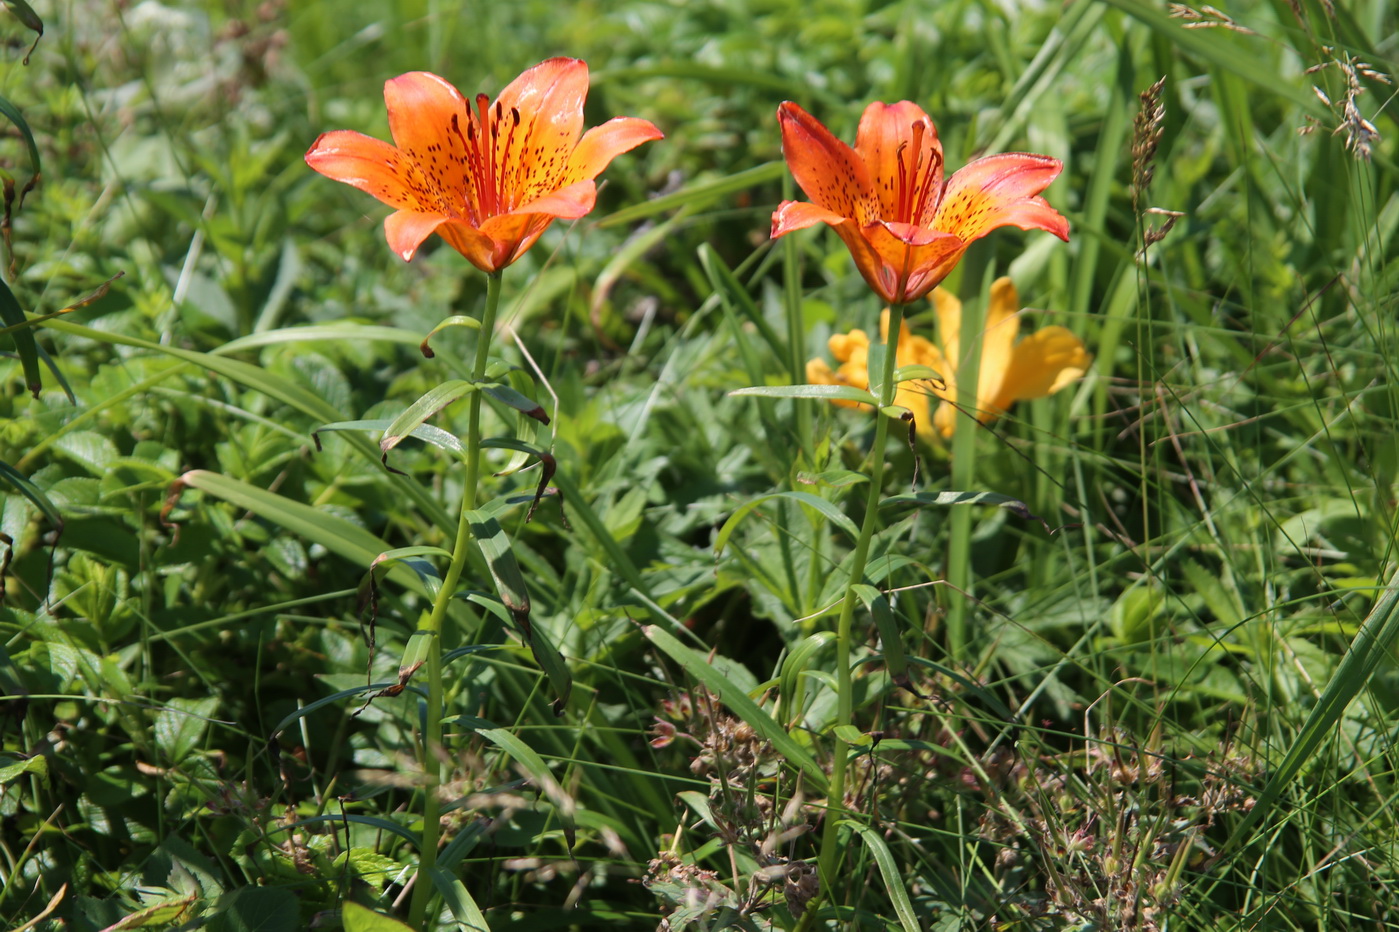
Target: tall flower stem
[[796, 333], [835, 800], [432, 625]]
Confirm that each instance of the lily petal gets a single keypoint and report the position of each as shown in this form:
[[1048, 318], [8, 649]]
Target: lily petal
[[997, 342], [601, 144], [369, 164], [427, 117], [798, 215], [1044, 362], [901, 172], [998, 191], [826, 169], [406, 229], [549, 100], [913, 261]]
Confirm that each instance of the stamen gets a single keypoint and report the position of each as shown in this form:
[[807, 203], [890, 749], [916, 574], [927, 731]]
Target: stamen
[[490, 200]]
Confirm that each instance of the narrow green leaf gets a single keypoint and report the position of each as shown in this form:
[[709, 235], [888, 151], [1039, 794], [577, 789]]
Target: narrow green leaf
[[334, 699], [827, 509], [456, 320], [826, 392], [698, 667], [539, 774], [454, 893], [425, 432], [697, 194], [318, 333], [23, 336], [334, 533], [889, 871], [1373, 644], [791, 683], [732, 292], [12, 112], [1014, 505], [911, 372], [510, 585], [890, 638], [517, 400], [430, 403], [32, 492]]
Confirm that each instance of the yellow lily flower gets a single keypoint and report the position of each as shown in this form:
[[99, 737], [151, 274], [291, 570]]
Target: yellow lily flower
[[1035, 367]]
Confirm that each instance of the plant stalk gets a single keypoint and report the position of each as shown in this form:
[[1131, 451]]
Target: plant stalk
[[432, 625], [835, 799]]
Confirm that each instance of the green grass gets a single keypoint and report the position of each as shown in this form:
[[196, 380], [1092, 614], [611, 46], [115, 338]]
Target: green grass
[[1171, 703]]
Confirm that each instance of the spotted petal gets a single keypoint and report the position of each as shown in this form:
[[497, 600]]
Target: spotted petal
[[998, 191], [826, 169]]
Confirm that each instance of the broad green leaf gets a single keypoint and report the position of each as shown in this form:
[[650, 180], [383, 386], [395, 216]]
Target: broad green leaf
[[37, 765], [697, 665], [179, 727], [830, 511], [356, 918], [256, 909]]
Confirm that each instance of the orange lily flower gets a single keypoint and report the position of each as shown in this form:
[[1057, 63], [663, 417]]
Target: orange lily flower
[[906, 226], [489, 181], [1039, 365]]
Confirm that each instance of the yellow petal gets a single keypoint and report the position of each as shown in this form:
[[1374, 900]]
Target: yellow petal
[[1044, 362], [949, 312], [997, 341]]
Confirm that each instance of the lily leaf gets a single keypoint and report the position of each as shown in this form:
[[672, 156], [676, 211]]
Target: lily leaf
[[510, 585], [827, 392], [425, 407]]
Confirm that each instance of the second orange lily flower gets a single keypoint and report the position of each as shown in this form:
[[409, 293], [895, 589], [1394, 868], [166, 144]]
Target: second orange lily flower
[[489, 181], [905, 225]]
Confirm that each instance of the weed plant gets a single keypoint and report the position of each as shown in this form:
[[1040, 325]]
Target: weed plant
[[1138, 673]]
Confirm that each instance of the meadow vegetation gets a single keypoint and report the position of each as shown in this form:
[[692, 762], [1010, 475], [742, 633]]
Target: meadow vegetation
[[1122, 659]]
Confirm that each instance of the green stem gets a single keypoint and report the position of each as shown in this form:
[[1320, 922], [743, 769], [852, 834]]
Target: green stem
[[959, 559], [796, 334], [835, 799], [432, 625]]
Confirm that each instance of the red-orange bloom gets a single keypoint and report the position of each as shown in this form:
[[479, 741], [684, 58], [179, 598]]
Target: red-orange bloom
[[905, 225], [489, 181]]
